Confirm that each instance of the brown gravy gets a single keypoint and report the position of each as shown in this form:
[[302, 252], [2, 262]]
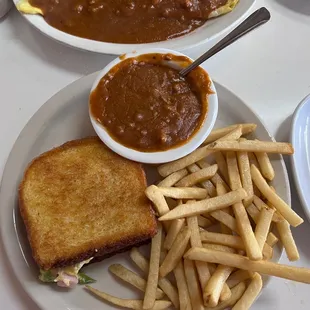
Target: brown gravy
[[146, 105], [127, 21]]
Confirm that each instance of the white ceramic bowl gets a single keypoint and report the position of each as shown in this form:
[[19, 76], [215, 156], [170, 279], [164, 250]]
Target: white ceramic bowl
[[163, 156]]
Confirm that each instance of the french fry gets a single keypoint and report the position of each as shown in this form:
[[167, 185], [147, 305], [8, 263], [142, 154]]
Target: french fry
[[264, 267], [200, 153], [245, 175], [253, 212], [235, 242], [128, 303], [238, 276], [139, 260], [205, 184], [226, 219], [203, 164], [184, 299], [243, 223], [260, 204], [176, 252], [173, 178], [263, 226], [222, 165], [252, 146], [236, 294], [233, 170], [221, 132], [169, 290], [287, 240], [253, 159], [267, 251], [202, 268], [163, 283], [293, 218], [179, 202], [132, 278], [174, 229], [163, 251], [226, 293], [256, 191], [205, 206], [158, 199], [218, 247], [271, 239], [198, 177], [204, 222], [273, 189], [208, 216], [192, 223], [222, 239], [159, 202], [250, 294], [183, 193], [277, 216], [166, 169], [152, 279], [213, 289], [163, 254], [265, 166], [193, 285], [221, 190]]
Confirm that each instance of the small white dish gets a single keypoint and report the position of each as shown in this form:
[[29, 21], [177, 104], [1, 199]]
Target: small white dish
[[168, 155], [300, 139]]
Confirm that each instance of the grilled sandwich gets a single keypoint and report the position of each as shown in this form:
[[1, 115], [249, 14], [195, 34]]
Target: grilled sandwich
[[81, 202]]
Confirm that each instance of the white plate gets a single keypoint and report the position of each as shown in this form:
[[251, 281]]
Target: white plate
[[65, 117], [300, 138], [208, 31]]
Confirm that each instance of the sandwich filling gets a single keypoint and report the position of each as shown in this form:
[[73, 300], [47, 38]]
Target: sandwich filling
[[67, 276]]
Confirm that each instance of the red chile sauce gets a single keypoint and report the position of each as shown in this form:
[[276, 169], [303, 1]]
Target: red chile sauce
[[146, 105], [127, 21]]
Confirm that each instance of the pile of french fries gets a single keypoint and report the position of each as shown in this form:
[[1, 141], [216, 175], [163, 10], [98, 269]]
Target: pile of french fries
[[219, 220]]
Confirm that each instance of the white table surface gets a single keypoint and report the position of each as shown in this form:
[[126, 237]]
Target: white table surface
[[269, 69]]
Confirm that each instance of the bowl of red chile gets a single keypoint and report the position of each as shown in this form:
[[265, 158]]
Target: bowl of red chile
[[142, 108]]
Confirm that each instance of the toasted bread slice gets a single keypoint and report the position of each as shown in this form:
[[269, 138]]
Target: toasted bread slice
[[81, 200]]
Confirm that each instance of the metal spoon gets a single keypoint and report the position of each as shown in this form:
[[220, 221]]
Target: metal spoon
[[259, 17]]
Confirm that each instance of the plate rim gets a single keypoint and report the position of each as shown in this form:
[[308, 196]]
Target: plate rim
[[294, 141], [179, 44], [7, 243]]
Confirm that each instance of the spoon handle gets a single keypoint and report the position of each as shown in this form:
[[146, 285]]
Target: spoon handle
[[259, 17]]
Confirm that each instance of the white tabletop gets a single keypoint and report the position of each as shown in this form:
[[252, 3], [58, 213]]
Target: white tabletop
[[269, 69]]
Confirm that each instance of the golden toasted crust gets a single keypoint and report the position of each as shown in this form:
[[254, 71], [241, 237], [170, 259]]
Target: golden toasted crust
[[81, 200]]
